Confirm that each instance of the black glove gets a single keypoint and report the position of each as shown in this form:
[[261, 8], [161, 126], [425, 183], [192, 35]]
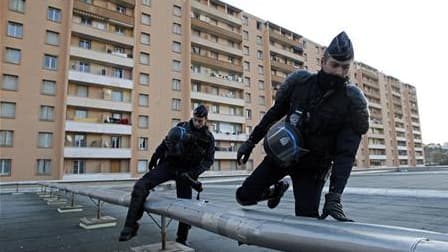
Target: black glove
[[333, 207], [245, 149], [153, 162], [196, 185]]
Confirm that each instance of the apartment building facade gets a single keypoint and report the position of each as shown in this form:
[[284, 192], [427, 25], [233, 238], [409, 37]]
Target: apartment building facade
[[90, 87]]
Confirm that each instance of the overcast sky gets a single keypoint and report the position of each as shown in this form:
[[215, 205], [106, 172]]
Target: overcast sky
[[404, 39]]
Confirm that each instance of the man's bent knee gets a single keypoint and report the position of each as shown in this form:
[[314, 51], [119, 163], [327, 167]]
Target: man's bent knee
[[243, 198]]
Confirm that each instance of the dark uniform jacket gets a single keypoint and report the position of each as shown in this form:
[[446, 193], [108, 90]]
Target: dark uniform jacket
[[334, 120], [193, 152]]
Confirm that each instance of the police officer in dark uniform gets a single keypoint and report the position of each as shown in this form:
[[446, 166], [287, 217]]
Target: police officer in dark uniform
[[325, 118], [186, 152]]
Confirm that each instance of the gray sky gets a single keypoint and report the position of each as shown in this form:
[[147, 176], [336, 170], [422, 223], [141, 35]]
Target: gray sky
[[404, 39]]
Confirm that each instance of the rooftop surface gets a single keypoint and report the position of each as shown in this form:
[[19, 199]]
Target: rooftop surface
[[27, 223]]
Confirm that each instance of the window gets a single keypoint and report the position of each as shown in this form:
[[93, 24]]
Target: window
[[115, 142], [176, 47], [245, 35], [12, 55], [247, 81], [143, 122], [48, 87], [247, 97], [86, 20], [145, 38], [6, 138], [175, 104], [82, 91], [142, 166], [43, 167], [245, 20], [15, 30], [144, 58], [5, 167], [118, 73], [79, 166], [119, 30], [7, 110], [17, 5], [174, 122], [85, 43], [144, 79], [121, 9], [248, 114], [259, 25], [260, 84], [246, 50], [259, 55], [246, 66], [260, 69], [261, 100], [117, 95], [80, 114], [50, 62], [143, 100], [146, 2], [84, 67], [145, 19], [177, 11], [175, 84], [143, 143], [176, 66], [45, 140], [10, 82], [46, 113], [177, 28], [52, 38], [54, 14], [259, 40]]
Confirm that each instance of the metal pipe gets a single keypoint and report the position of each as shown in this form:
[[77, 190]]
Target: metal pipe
[[282, 232], [163, 231]]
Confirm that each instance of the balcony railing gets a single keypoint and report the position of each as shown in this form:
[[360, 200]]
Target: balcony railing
[[216, 30], [110, 58], [217, 63], [215, 13], [103, 12], [217, 46], [102, 128], [88, 152], [98, 103], [227, 81], [287, 53], [102, 34], [98, 79], [217, 98]]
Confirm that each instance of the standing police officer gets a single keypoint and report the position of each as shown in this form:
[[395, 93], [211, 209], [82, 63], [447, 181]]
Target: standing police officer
[[325, 118], [186, 152]]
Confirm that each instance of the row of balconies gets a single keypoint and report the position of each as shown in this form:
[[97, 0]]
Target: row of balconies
[[221, 15], [103, 12], [105, 57], [216, 30]]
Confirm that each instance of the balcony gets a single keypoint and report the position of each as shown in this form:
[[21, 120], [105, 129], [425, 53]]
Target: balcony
[[110, 58], [381, 157], [102, 34], [375, 105], [215, 13], [217, 98], [97, 103], [400, 129], [376, 135], [403, 157], [226, 118], [230, 137], [401, 138], [217, 46], [400, 147], [377, 146], [216, 30], [99, 79], [277, 79], [287, 53], [222, 81], [282, 38], [102, 128], [223, 65], [370, 73], [283, 66], [87, 152], [227, 155], [103, 13]]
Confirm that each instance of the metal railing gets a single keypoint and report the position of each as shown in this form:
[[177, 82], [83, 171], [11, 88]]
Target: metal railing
[[276, 231]]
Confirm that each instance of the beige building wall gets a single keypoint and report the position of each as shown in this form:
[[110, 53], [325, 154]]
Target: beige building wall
[[99, 83]]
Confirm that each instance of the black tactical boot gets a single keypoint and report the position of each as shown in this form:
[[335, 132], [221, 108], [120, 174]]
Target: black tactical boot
[[277, 193], [128, 232]]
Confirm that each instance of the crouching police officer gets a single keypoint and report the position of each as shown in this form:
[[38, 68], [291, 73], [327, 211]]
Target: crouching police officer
[[186, 152], [325, 118]]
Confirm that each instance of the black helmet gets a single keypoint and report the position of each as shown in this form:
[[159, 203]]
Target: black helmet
[[200, 111], [176, 134], [340, 48]]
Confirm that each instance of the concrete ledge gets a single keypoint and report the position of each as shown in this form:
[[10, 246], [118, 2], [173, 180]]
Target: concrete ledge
[[171, 246], [94, 223], [70, 209]]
